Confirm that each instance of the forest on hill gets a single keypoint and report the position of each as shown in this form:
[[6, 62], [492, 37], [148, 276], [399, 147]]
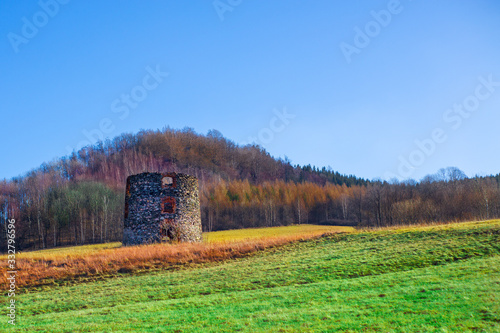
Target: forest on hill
[[79, 199]]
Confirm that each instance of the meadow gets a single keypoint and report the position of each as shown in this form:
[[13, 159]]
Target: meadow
[[87, 262], [419, 279]]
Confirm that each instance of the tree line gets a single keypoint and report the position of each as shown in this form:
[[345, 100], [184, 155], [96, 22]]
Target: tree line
[[239, 204], [79, 199]]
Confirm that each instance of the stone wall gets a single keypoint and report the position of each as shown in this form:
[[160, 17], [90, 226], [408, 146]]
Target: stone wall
[[161, 207]]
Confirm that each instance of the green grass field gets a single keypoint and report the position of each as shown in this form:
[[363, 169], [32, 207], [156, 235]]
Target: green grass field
[[430, 279]]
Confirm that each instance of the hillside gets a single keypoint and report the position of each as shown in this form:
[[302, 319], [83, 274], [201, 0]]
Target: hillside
[[438, 278], [208, 157], [80, 199]]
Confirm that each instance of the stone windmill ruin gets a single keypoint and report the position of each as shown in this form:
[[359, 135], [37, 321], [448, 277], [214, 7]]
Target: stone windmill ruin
[[161, 207]]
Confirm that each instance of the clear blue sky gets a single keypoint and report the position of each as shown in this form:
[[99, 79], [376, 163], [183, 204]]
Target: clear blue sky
[[359, 100]]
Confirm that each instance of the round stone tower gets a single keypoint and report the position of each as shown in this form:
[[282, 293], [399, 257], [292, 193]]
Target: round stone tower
[[161, 207]]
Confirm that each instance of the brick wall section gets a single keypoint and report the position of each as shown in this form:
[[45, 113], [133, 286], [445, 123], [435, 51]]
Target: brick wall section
[[161, 207]]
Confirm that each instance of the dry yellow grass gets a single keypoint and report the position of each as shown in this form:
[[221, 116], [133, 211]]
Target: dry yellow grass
[[263, 233], [432, 225], [65, 251]]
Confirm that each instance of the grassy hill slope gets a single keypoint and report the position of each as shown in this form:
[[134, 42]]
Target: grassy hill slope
[[443, 278]]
